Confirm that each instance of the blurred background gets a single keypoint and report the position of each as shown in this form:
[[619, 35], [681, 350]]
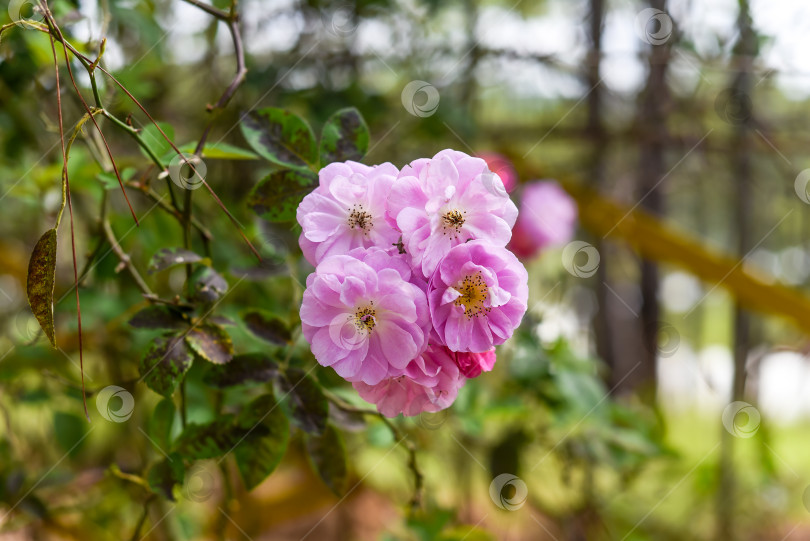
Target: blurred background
[[658, 388]]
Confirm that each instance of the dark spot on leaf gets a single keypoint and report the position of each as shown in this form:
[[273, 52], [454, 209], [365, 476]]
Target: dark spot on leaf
[[268, 327], [276, 196], [165, 364], [250, 368], [211, 342]]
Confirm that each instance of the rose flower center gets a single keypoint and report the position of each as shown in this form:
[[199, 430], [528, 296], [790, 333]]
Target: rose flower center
[[453, 219], [473, 291], [360, 219], [365, 319]]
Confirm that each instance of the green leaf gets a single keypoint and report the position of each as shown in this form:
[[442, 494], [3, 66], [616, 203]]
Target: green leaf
[[244, 369], [219, 151], [257, 437], [309, 407], [210, 440], [41, 279], [159, 317], [327, 454], [165, 363], [207, 285], [276, 197], [155, 141], [281, 137], [163, 475], [344, 137], [211, 342], [68, 431], [268, 327], [169, 257], [161, 422], [266, 433]]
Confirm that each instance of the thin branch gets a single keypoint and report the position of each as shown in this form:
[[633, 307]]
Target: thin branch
[[211, 10], [177, 150], [124, 257], [86, 61], [239, 77], [56, 32], [232, 19], [418, 478], [136, 534], [157, 199], [66, 193]]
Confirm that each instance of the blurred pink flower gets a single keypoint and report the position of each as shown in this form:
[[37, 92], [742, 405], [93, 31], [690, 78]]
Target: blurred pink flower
[[445, 201], [502, 167], [363, 317], [346, 210], [472, 364], [477, 296], [429, 383], [548, 217]]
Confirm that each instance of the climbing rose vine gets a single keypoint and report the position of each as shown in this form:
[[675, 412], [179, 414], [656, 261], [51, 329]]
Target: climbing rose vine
[[413, 285]]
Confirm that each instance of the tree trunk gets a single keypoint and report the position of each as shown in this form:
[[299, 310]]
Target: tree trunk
[[740, 90], [652, 124]]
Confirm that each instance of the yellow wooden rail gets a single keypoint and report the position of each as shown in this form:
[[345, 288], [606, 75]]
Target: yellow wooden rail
[[660, 242]]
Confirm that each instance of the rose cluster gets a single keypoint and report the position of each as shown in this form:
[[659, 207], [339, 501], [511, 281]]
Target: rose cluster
[[413, 283]]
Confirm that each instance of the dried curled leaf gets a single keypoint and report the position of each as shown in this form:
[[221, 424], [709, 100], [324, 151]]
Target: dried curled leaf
[[41, 279]]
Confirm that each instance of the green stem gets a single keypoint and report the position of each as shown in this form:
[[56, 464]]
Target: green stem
[[187, 236], [416, 499], [76, 131], [135, 135], [149, 152], [183, 410]]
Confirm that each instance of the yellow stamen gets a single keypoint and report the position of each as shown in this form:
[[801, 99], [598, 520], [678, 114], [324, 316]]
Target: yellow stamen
[[473, 291]]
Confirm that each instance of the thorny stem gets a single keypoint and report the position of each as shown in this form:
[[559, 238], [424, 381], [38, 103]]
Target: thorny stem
[[416, 500]]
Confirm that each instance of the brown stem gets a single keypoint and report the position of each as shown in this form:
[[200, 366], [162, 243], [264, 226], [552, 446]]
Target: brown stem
[[211, 10], [86, 61], [70, 210], [155, 198], [124, 257], [55, 31]]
